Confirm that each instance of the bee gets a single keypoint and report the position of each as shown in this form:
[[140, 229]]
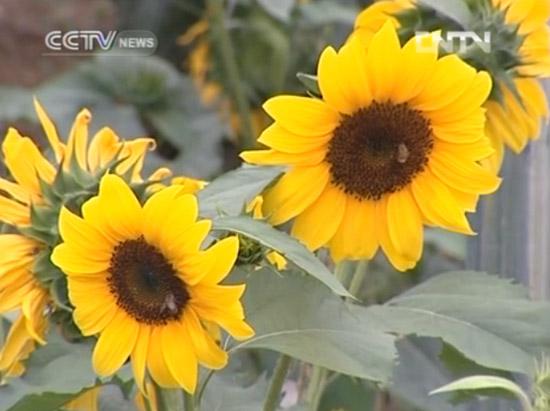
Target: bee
[[402, 153]]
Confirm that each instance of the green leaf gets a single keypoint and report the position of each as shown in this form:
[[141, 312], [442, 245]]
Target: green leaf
[[55, 374], [488, 319], [456, 10], [229, 193], [310, 82], [284, 244], [328, 12], [223, 393], [485, 382], [296, 315], [280, 9]]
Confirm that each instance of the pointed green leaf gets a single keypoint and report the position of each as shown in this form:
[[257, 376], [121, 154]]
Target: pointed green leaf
[[284, 244]]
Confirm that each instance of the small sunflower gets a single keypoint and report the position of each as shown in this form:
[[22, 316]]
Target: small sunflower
[[28, 196], [520, 56], [138, 278], [382, 153]]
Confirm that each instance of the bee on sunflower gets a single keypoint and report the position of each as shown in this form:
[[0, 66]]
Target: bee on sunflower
[[519, 58], [382, 152], [137, 276]]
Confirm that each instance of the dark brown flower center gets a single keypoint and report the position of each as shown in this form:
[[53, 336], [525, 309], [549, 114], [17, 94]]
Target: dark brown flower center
[[379, 149], [145, 284]]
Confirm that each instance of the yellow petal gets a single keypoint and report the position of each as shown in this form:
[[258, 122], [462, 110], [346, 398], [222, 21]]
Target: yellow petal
[[22, 251], [179, 356], [80, 234], [473, 96], [139, 356], [134, 154], [398, 260], [115, 344], [120, 206], [49, 129], [304, 116], [207, 351], [437, 204], [95, 306], [279, 138], [14, 344], [33, 308], [14, 213], [332, 83], [87, 401], [103, 149], [450, 78], [214, 264], [167, 217], [16, 191], [274, 157], [78, 140], [317, 224], [356, 235], [25, 162], [156, 363], [420, 67], [382, 72], [294, 192], [277, 260], [463, 175], [405, 224], [73, 260]]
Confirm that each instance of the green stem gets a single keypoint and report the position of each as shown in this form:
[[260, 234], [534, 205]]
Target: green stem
[[161, 404], [231, 70], [318, 393], [277, 380], [204, 385], [188, 401], [358, 277]]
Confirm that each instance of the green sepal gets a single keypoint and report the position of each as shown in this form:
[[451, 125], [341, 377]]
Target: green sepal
[[69, 330], [44, 270], [310, 82], [44, 218], [45, 237], [59, 293]]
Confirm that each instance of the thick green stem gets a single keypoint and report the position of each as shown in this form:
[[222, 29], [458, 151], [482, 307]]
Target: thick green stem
[[188, 401], [358, 277], [231, 70], [277, 380], [319, 375]]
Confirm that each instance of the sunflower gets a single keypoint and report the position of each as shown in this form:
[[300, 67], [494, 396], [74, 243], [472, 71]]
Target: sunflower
[[138, 278], [382, 153], [517, 105], [27, 197], [515, 118]]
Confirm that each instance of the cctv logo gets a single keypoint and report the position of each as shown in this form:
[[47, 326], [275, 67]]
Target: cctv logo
[[80, 40], [112, 43]]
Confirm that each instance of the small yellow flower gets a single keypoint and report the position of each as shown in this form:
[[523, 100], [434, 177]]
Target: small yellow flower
[[138, 278], [255, 207], [384, 152]]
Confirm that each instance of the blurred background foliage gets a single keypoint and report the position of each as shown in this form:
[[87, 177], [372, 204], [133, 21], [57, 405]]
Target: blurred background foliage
[[200, 97]]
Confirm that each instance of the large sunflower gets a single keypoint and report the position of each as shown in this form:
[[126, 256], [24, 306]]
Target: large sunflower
[[20, 287], [138, 278], [520, 56], [382, 153]]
